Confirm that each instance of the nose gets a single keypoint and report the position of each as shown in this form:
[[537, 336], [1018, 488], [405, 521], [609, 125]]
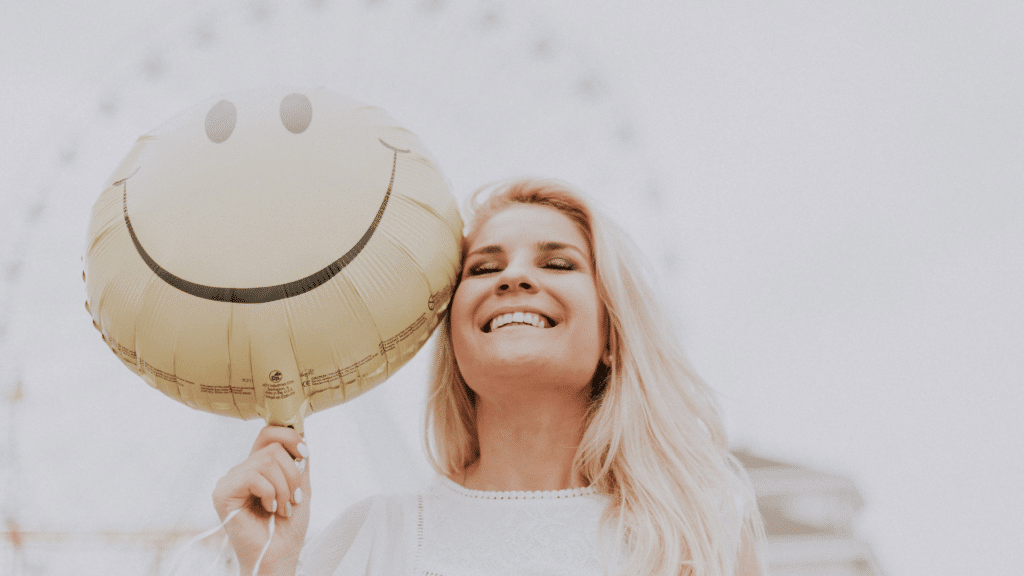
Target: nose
[[515, 279]]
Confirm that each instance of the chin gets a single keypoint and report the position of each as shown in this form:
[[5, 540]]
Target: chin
[[522, 362], [527, 371]]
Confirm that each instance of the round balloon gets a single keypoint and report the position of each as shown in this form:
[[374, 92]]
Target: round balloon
[[272, 253]]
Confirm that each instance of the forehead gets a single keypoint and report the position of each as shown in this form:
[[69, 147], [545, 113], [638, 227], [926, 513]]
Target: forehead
[[528, 223]]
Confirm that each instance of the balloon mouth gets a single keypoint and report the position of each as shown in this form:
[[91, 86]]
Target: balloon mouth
[[263, 294]]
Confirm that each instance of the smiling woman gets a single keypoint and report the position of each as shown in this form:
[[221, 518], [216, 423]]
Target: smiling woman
[[603, 399], [568, 433]]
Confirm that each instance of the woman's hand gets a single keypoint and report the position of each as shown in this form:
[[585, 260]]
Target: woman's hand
[[274, 479]]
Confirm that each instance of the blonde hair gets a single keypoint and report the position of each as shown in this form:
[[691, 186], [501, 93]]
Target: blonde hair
[[654, 441]]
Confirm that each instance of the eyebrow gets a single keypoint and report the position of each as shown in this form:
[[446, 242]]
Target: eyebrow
[[541, 247], [492, 249], [553, 246]]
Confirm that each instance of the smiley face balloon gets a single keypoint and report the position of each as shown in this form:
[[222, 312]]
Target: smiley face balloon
[[272, 253]]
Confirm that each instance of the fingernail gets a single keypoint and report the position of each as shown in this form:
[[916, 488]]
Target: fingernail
[[288, 509], [301, 465], [303, 450], [273, 507], [298, 495]]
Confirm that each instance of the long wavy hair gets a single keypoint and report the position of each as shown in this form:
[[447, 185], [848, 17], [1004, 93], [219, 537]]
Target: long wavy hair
[[654, 440]]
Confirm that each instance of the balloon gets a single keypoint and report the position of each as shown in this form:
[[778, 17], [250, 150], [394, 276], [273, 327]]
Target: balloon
[[272, 253]]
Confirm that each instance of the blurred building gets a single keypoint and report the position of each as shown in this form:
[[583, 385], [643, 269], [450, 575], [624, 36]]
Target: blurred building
[[809, 518]]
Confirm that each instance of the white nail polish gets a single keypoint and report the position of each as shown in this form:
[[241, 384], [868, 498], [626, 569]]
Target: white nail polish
[[301, 465], [273, 508], [288, 509], [298, 495], [303, 450]]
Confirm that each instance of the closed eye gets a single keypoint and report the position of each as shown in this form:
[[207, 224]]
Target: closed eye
[[485, 267], [560, 264], [490, 266]]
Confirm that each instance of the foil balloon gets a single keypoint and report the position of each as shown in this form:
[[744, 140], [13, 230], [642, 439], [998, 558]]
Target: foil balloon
[[272, 253]]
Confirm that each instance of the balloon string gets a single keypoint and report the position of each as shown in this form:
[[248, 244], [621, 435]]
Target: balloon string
[[212, 531], [198, 537], [220, 554]]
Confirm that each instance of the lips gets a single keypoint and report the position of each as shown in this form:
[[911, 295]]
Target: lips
[[518, 318]]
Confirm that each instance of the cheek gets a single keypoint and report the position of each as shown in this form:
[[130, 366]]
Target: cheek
[[600, 343], [599, 320], [461, 319], [602, 331], [460, 307]]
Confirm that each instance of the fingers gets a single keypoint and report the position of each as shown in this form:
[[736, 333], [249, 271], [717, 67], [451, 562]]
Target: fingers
[[286, 478], [274, 477], [287, 437], [277, 469], [263, 490]]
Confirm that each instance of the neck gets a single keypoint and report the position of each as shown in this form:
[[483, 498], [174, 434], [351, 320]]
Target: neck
[[527, 444]]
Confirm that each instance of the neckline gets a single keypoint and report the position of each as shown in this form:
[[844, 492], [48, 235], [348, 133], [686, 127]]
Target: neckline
[[514, 494]]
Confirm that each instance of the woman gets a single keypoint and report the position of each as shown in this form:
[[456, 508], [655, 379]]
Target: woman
[[568, 432]]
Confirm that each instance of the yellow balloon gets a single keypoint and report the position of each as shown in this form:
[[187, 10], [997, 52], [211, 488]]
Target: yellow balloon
[[272, 253]]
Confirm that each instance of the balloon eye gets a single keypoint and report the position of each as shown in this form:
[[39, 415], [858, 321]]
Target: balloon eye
[[220, 121], [296, 113]]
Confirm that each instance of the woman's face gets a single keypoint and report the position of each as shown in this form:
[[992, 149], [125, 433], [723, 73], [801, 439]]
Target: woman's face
[[527, 314]]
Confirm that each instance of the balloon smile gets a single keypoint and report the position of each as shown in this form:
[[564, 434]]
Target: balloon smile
[[262, 294]]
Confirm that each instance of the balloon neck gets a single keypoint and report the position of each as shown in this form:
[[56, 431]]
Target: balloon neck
[[295, 423]]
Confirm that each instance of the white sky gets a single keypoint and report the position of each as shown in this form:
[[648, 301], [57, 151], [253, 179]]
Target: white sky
[[832, 197]]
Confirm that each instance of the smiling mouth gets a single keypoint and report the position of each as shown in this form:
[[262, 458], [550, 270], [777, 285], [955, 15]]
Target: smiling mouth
[[518, 319]]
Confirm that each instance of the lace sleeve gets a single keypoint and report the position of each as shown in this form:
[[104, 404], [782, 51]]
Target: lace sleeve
[[324, 554], [366, 539]]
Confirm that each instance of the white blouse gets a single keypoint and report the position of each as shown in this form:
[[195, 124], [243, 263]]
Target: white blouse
[[449, 530]]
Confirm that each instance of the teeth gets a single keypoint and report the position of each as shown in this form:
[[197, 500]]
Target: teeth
[[529, 318]]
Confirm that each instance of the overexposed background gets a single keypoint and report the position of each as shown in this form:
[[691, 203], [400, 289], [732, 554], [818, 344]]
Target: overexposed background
[[831, 194]]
